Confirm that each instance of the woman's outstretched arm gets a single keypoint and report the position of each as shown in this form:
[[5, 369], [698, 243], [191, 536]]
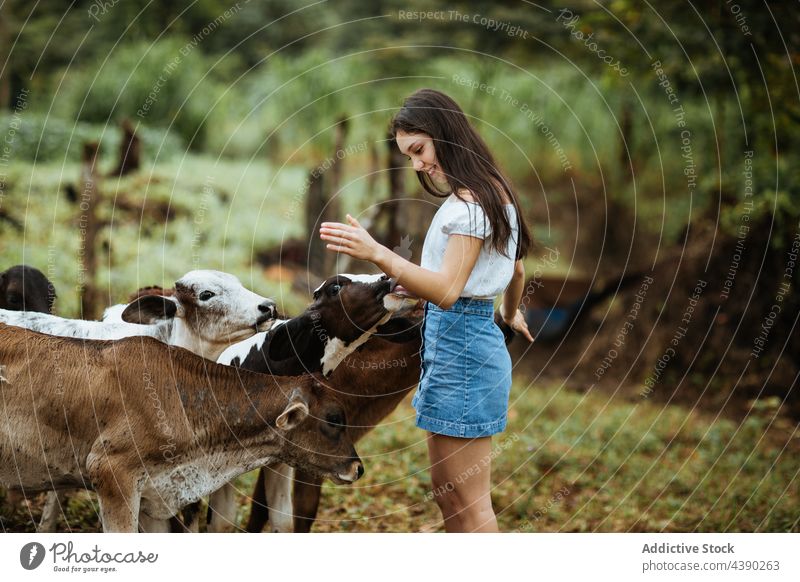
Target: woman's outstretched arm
[[443, 288]]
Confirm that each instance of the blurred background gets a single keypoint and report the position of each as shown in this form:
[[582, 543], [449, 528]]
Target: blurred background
[[655, 152]]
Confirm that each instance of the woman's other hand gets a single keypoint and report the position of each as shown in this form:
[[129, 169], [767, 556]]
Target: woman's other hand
[[518, 324], [351, 239]]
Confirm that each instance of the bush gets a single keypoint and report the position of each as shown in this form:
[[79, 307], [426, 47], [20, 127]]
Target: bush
[[37, 138], [168, 83]]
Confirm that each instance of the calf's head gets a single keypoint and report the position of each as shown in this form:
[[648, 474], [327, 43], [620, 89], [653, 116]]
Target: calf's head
[[209, 310], [313, 427], [24, 288], [346, 310]]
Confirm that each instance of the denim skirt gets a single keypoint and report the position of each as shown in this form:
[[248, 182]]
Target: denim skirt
[[466, 371]]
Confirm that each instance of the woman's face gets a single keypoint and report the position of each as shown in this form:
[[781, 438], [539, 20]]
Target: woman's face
[[418, 147]]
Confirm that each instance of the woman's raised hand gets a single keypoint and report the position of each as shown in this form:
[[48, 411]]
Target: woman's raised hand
[[351, 239]]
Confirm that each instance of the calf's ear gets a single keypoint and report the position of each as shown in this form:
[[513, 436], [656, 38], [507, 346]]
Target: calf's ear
[[294, 413], [152, 309]]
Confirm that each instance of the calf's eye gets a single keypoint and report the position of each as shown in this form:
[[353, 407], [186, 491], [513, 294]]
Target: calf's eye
[[335, 419], [335, 289], [206, 295]]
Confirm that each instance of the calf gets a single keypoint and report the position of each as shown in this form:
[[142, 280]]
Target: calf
[[346, 310], [342, 317], [24, 288], [153, 427], [207, 312], [370, 383]]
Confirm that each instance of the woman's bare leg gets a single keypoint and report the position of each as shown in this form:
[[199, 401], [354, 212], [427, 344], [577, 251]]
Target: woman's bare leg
[[461, 478]]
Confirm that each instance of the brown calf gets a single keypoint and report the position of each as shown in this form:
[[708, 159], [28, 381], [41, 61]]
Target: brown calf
[[151, 427]]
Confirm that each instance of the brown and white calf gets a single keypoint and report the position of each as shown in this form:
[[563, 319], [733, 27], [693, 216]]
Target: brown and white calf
[[151, 427], [346, 310], [25, 288], [370, 383]]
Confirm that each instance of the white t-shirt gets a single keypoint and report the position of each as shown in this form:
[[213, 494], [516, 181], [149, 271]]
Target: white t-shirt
[[492, 272]]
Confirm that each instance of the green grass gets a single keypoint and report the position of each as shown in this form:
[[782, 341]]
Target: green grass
[[567, 462], [579, 462]]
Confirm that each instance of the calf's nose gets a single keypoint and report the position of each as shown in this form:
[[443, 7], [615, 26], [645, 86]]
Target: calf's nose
[[385, 284], [268, 307], [355, 463]]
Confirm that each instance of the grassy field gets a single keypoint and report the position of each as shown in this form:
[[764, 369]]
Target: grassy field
[[568, 461], [583, 462]]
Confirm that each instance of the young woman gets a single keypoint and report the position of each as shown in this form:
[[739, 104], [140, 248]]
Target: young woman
[[472, 253]]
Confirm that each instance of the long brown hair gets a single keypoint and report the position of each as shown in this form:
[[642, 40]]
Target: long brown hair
[[465, 160]]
